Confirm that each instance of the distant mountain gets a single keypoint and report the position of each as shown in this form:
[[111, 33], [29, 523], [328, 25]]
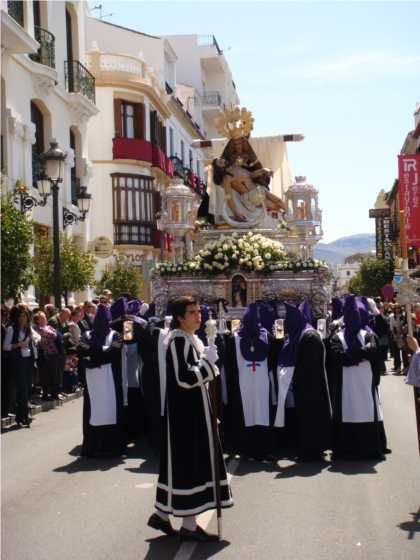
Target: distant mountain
[[336, 251]]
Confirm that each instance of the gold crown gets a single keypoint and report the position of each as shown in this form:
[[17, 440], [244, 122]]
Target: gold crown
[[234, 123]]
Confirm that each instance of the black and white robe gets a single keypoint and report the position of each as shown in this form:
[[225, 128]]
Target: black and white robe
[[358, 420], [187, 479], [303, 401], [103, 433]]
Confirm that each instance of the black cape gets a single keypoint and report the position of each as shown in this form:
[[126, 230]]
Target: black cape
[[353, 437], [102, 439], [311, 415]]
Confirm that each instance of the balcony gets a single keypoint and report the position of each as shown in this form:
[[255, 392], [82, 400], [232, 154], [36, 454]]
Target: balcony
[[208, 41], [132, 148], [14, 38], [79, 79], [126, 69], [46, 51], [15, 10]]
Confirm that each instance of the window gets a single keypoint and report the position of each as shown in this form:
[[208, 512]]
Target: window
[[182, 152], [348, 273], [133, 209], [129, 119], [198, 168], [157, 131], [171, 142], [38, 148], [190, 155]]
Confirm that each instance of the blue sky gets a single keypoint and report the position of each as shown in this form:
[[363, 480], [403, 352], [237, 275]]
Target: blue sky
[[344, 74]]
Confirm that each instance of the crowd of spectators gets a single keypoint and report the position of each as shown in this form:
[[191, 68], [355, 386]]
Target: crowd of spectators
[[391, 327], [39, 354]]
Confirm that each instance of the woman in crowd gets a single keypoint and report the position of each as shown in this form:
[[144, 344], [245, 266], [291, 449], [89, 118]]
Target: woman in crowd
[[49, 357], [20, 343]]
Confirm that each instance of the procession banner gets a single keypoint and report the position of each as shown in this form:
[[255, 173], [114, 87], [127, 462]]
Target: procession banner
[[409, 195]]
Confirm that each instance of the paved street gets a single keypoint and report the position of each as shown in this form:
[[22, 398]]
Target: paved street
[[59, 507]]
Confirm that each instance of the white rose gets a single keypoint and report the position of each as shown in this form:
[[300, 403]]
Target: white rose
[[249, 263], [267, 256]]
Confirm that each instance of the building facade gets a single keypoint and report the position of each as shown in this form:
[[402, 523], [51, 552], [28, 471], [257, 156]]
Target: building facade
[[141, 138], [386, 211], [47, 93]]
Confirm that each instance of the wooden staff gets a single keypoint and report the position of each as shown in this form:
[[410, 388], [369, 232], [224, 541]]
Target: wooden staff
[[211, 332]]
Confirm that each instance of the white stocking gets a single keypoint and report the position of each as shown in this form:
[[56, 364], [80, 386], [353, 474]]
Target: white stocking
[[189, 522]]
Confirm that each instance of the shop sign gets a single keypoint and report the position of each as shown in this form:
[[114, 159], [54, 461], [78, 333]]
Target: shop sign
[[409, 195]]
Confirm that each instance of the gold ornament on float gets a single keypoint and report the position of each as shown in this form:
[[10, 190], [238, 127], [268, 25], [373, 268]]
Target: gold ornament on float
[[234, 123]]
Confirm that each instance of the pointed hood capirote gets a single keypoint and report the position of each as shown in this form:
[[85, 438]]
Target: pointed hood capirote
[[253, 337], [268, 315], [306, 309], [101, 326], [295, 324], [206, 312], [133, 307], [119, 308], [364, 312], [352, 324]]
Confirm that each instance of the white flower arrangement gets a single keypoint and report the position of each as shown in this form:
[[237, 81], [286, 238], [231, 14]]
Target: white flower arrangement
[[251, 253]]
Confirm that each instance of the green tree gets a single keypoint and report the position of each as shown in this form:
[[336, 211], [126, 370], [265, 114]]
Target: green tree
[[77, 266], [121, 277], [372, 276], [16, 260]]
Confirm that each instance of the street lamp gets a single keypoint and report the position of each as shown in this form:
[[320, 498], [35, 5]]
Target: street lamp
[[83, 203], [53, 160]]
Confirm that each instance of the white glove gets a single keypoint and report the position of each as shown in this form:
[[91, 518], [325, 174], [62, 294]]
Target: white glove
[[210, 354]]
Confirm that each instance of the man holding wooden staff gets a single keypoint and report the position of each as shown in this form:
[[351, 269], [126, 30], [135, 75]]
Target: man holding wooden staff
[[192, 477]]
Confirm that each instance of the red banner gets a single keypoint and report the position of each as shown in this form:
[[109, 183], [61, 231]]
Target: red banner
[[409, 195]]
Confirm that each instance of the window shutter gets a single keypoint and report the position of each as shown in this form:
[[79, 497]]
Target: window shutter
[[117, 117], [139, 121], [164, 147]]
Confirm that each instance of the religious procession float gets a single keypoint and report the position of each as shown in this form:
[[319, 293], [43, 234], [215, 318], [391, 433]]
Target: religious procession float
[[251, 237]]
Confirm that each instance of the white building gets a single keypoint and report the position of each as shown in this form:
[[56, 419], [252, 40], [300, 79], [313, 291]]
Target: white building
[[141, 125], [345, 273], [204, 79], [47, 92]]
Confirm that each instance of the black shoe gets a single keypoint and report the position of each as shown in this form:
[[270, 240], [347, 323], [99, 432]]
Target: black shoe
[[156, 522], [198, 535]]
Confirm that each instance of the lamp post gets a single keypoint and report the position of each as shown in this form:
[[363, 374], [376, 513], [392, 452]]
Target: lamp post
[[53, 159], [83, 203]]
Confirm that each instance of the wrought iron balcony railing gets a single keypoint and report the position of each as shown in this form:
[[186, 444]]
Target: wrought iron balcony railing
[[212, 98], [15, 10], [46, 51], [79, 79]]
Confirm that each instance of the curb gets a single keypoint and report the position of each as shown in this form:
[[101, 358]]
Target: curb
[[9, 421]]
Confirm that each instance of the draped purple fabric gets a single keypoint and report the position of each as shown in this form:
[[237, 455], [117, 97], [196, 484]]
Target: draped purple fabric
[[100, 327], [133, 307], [306, 309], [294, 325], [253, 336], [352, 324], [337, 304], [119, 308]]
